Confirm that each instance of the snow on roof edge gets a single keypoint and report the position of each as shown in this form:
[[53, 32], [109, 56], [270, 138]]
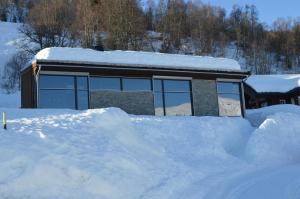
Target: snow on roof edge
[[137, 59], [283, 83]]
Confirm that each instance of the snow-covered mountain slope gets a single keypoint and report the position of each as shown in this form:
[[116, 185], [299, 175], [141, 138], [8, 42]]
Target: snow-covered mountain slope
[[106, 153], [9, 41], [9, 37]]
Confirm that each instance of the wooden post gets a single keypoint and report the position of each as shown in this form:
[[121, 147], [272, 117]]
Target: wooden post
[[4, 120]]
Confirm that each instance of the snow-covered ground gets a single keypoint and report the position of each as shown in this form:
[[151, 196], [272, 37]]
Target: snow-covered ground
[[106, 153]]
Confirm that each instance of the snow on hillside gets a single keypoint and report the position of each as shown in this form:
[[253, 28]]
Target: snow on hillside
[[9, 36], [106, 153]]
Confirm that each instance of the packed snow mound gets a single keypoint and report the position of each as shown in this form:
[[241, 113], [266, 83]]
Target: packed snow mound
[[277, 138], [109, 154], [136, 59], [258, 116], [273, 83]]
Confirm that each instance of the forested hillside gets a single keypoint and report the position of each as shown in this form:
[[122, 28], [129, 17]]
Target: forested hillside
[[169, 26]]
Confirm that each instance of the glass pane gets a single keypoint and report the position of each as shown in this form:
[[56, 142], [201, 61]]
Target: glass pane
[[136, 84], [56, 81], [82, 83], [178, 104], [57, 99], [157, 85], [105, 83], [176, 85], [230, 105], [82, 100], [158, 102], [228, 87]]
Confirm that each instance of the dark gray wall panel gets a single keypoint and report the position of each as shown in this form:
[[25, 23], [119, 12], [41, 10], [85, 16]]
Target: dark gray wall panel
[[138, 103], [205, 97]]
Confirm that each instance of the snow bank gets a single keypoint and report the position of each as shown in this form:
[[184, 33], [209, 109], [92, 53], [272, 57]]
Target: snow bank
[[273, 83], [107, 153], [277, 140], [258, 116], [136, 59]]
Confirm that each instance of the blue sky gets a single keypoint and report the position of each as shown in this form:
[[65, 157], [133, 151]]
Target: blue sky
[[269, 10]]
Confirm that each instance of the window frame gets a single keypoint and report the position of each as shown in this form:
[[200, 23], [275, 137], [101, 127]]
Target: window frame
[[163, 92], [97, 76], [121, 83], [74, 89], [137, 78], [241, 93]]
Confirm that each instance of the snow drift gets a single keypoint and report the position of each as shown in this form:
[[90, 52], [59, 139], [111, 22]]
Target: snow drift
[[106, 153]]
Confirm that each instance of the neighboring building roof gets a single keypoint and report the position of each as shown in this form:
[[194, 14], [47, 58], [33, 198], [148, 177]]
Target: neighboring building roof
[[135, 59], [273, 83]]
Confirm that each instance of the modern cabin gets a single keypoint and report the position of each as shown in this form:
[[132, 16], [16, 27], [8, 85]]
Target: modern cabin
[[141, 83], [267, 90]]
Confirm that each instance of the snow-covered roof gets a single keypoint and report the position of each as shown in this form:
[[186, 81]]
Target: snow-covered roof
[[136, 59], [274, 83]]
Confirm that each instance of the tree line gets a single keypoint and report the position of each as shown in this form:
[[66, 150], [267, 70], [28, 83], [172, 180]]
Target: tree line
[[169, 26]]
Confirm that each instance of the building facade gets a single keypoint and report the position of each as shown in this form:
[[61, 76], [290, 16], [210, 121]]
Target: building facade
[[267, 90], [137, 89]]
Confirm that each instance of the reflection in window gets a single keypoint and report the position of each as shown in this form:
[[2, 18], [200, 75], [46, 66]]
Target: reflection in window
[[178, 104], [82, 83], [105, 83], [82, 93], [54, 81], [159, 105], [157, 85], [229, 99], [59, 91], [57, 99], [172, 97], [176, 85], [82, 100], [130, 84]]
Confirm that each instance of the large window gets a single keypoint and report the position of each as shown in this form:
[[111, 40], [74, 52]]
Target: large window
[[229, 97], [59, 91], [120, 84], [82, 93], [130, 84], [105, 83], [172, 97]]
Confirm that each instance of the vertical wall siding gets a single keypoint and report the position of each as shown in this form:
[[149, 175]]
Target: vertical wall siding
[[28, 89]]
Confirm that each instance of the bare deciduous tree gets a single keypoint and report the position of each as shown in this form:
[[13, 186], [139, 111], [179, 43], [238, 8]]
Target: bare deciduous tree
[[12, 71]]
